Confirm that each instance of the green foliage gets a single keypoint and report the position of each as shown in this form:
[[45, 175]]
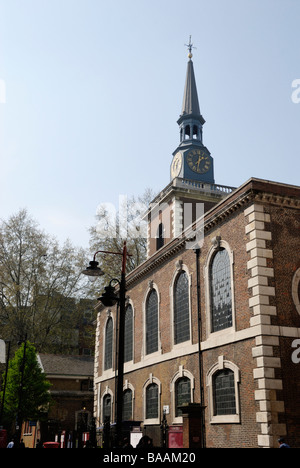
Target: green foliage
[[30, 401]]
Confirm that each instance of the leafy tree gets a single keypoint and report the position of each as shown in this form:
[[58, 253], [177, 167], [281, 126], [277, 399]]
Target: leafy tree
[[39, 280], [27, 390]]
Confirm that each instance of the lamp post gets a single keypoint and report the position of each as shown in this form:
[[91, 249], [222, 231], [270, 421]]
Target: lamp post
[[108, 299]]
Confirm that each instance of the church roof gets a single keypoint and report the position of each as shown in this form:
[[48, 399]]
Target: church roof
[[67, 365]]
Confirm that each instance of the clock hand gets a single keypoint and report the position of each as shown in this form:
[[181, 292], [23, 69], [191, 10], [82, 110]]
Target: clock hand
[[199, 161]]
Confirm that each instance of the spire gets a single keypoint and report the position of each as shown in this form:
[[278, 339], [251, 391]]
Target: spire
[[190, 120], [190, 103]]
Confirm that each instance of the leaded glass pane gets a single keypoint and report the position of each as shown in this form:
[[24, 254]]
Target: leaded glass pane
[[108, 344], [128, 336], [220, 280], [152, 323], [183, 393], [152, 401], [127, 405], [224, 393], [106, 407], [181, 309], [160, 237]]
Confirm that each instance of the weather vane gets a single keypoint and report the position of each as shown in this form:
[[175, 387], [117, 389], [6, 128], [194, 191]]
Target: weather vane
[[190, 48]]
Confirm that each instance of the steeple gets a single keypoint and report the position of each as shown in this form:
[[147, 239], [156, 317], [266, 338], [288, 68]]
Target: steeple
[[190, 120], [192, 160], [190, 103]]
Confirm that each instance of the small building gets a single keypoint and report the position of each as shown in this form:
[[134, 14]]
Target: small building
[[70, 413]]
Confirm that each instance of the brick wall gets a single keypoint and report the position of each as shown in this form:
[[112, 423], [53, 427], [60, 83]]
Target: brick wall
[[262, 240]]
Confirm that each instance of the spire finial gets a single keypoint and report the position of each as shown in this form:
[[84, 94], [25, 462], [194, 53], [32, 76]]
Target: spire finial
[[190, 48]]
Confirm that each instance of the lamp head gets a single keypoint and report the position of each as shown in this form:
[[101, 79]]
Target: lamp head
[[109, 297], [93, 271]]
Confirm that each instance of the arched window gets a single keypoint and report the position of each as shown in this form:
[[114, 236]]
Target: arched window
[[128, 336], [106, 407], [224, 393], [152, 401], [160, 236], [296, 290], [182, 394], [152, 322], [220, 291], [181, 309], [108, 352], [127, 405]]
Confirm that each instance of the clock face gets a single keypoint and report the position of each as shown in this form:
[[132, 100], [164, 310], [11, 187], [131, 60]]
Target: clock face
[[176, 165], [198, 160]]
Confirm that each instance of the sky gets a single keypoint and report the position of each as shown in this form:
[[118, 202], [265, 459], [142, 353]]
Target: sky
[[91, 90]]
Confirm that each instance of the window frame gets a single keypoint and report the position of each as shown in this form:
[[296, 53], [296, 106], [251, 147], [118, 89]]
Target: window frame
[[180, 268], [151, 421], [128, 386], [106, 393], [295, 290], [226, 418], [151, 356], [132, 334], [220, 244], [107, 369], [181, 373]]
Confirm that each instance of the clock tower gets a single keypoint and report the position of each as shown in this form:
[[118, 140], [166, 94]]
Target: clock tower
[[192, 190], [191, 159]]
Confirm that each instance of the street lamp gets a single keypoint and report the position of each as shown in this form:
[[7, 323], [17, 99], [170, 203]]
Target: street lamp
[[108, 299]]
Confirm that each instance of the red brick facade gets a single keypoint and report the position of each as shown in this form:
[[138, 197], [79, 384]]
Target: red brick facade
[[258, 226]]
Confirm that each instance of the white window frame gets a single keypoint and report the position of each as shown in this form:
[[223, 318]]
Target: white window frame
[[226, 418], [150, 381], [151, 357], [107, 391], [179, 374], [180, 267], [295, 285], [213, 250]]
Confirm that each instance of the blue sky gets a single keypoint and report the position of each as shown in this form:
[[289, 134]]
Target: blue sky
[[90, 92]]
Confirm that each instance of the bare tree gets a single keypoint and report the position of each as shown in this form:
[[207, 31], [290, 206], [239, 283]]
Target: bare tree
[[115, 226]]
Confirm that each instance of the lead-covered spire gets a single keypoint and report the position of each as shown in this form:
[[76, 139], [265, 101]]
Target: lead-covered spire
[[190, 120]]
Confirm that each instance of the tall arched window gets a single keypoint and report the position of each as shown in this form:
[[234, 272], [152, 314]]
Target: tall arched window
[[106, 407], [182, 394], [224, 393], [128, 337], [181, 309], [152, 322], [160, 236], [127, 405], [220, 291], [108, 352]]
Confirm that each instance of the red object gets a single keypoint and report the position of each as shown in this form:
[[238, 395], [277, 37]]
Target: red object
[[51, 445], [175, 437], [3, 438]]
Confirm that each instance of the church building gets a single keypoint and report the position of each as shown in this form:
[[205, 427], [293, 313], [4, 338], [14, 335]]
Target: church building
[[213, 315]]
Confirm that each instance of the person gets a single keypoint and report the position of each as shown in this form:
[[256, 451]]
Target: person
[[11, 444], [126, 443], [39, 444], [282, 444], [22, 445], [145, 443]]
